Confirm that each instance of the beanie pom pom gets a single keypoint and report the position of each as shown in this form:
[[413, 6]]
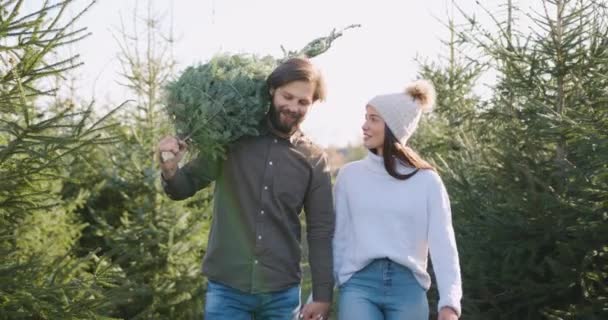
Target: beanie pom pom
[[423, 92]]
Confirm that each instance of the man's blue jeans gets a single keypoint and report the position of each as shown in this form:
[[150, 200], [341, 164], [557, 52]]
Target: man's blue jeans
[[225, 303], [383, 290]]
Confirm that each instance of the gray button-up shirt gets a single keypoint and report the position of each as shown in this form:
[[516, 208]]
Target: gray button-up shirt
[[260, 189]]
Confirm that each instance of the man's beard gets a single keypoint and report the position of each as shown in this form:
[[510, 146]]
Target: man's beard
[[275, 119]]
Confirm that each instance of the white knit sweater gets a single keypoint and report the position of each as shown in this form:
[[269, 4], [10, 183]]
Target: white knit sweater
[[378, 216]]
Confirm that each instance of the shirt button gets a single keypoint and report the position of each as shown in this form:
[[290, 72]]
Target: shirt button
[[265, 187], [270, 163], [275, 140], [262, 211], [255, 261], [259, 237]]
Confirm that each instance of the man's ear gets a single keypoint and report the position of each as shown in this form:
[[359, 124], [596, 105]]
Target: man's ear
[[271, 91]]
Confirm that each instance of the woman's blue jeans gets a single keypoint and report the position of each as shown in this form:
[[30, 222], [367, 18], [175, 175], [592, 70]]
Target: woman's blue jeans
[[383, 290]]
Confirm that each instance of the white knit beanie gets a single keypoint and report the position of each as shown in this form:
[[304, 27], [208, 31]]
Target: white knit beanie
[[401, 111]]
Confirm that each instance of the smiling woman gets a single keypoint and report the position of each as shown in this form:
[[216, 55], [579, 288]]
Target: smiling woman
[[402, 112], [391, 211]]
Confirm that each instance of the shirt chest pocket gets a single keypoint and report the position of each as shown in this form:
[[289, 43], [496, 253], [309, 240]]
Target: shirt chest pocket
[[291, 183]]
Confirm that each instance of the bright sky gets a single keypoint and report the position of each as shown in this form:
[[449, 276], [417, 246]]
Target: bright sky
[[376, 58]]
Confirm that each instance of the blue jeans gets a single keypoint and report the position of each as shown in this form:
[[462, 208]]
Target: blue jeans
[[383, 290], [225, 303]]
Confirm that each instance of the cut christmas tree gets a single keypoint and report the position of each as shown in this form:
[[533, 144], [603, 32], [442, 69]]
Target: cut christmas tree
[[214, 104]]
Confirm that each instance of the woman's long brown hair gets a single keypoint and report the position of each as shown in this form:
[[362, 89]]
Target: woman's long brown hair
[[393, 149]]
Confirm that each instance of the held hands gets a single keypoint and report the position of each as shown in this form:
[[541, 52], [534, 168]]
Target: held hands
[[315, 311], [447, 313], [170, 152]]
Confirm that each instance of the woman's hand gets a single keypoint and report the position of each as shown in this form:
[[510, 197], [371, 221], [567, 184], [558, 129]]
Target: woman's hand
[[447, 313]]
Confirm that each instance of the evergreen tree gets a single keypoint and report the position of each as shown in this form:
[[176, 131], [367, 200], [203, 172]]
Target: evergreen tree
[[534, 234], [155, 242], [448, 138], [40, 276]]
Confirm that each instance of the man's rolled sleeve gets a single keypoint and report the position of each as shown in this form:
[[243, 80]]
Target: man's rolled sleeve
[[195, 175]]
